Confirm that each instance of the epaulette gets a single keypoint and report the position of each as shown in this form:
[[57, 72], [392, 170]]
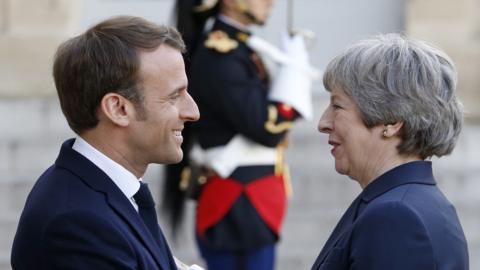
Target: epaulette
[[221, 42]]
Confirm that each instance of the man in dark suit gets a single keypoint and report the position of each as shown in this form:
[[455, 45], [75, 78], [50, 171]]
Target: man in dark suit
[[123, 89]]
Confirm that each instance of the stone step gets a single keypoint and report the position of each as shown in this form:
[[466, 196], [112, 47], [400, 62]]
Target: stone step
[[37, 120], [5, 261], [8, 227], [13, 196]]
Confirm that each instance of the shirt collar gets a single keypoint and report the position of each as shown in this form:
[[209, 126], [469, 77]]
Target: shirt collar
[[232, 22], [419, 172], [128, 183]]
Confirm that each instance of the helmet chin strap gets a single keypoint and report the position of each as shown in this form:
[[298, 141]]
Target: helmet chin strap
[[243, 7]]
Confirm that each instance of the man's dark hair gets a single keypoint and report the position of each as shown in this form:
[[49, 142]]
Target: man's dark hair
[[105, 59]]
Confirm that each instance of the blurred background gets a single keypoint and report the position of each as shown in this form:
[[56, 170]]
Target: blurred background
[[33, 127]]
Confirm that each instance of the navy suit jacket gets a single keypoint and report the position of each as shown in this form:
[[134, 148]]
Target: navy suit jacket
[[400, 221], [75, 217]]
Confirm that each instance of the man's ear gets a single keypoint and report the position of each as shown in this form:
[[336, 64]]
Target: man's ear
[[117, 109], [393, 129]]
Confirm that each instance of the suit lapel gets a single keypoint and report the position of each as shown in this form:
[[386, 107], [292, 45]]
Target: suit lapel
[[96, 179], [125, 210]]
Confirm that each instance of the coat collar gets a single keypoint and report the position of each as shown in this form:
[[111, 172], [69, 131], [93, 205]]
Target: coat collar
[[415, 172], [419, 172], [96, 179], [231, 30]]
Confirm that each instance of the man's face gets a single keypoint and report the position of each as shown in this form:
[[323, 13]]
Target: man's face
[[157, 137]]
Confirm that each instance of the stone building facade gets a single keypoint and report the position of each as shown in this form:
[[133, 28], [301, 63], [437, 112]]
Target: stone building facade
[[454, 26], [33, 127]]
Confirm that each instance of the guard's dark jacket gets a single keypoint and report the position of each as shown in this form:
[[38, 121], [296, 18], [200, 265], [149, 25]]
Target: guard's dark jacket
[[230, 87]]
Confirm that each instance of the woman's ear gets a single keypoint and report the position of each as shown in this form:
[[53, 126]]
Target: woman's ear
[[117, 109], [393, 129]]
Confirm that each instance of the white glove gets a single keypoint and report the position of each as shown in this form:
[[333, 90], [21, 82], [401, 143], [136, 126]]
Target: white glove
[[294, 48], [293, 82], [266, 49]]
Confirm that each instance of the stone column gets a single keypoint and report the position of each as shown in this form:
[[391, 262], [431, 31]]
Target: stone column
[[30, 31], [32, 125], [453, 26]]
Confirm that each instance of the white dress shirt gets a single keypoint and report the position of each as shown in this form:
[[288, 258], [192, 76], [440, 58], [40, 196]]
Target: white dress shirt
[[128, 183]]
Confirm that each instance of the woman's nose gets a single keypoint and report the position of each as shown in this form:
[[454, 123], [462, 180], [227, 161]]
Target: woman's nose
[[325, 122]]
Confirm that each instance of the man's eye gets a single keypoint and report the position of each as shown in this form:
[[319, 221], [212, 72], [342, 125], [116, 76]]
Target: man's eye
[[336, 107]]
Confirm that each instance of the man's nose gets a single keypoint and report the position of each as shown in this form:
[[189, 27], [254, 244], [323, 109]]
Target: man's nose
[[190, 112]]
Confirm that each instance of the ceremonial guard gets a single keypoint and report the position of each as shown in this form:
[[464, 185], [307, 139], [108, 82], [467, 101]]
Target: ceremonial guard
[[240, 139]]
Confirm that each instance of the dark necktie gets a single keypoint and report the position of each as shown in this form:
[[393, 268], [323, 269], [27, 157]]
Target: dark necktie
[[146, 209]]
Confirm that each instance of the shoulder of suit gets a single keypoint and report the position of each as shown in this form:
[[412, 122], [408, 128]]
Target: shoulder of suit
[[221, 42], [392, 211]]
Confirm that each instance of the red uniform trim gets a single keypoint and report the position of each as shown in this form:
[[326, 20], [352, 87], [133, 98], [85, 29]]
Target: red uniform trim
[[286, 111], [267, 195], [216, 199]]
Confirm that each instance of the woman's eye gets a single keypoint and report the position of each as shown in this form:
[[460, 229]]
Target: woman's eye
[[336, 107]]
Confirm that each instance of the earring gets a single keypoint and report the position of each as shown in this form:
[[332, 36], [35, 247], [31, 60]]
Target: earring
[[385, 133]]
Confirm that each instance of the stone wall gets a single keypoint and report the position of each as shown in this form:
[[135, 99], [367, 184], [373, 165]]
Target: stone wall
[[30, 31], [33, 126], [454, 26], [31, 123]]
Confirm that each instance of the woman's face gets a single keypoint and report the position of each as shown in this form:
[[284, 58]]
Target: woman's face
[[356, 148]]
